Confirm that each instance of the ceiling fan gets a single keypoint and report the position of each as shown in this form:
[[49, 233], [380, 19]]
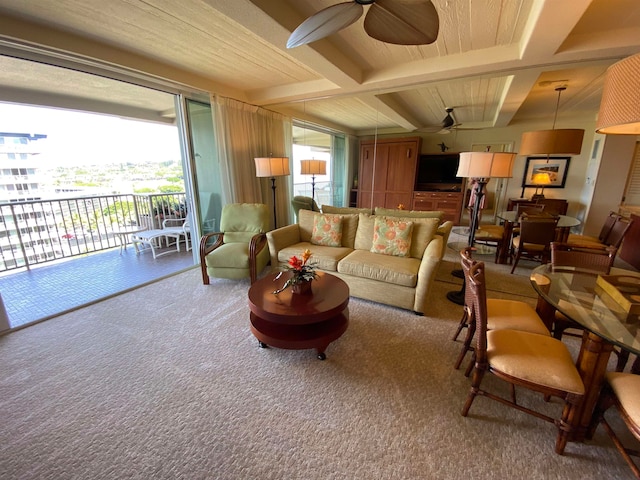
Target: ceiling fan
[[401, 22], [445, 126]]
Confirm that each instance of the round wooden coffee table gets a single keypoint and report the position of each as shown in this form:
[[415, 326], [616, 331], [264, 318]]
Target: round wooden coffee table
[[297, 322]]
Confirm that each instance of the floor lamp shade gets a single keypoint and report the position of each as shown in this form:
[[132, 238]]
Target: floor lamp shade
[[486, 164], [566, 141], [272, 166], [620, 106], [313, 167]]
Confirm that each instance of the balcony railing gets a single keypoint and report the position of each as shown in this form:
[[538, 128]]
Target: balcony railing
[[41, 231]]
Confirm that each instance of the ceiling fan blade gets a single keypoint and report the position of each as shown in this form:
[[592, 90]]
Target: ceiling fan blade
[[403, 22], [324, 23]]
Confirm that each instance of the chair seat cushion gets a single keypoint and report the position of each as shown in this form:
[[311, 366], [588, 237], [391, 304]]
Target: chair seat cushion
[[531, 247], [626, 386], [515, 315], [539, 359], [490, 232], [229, 255]]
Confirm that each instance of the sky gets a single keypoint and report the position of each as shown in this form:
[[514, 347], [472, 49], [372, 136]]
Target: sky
[[95, 139]]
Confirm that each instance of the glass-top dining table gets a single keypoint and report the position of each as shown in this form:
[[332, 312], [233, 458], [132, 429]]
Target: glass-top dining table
[[510, 219], [606, 324]]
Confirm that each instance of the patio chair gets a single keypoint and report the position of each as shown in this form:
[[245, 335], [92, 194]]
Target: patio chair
[[180, 227], [239, 249]]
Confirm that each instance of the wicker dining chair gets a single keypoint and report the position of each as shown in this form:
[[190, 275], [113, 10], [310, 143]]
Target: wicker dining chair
[[595, 260], [620, 390], [501, 314], [537, 362], [534, 240]]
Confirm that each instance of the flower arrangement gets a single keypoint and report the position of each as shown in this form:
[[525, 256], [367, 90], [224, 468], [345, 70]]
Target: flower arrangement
[[303, 271]]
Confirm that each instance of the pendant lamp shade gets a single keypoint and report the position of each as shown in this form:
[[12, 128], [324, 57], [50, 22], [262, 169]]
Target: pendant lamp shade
[[620, 105], [552, 142], [567, 141]]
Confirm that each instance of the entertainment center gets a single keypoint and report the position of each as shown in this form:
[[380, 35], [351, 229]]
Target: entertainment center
[[392, 172]]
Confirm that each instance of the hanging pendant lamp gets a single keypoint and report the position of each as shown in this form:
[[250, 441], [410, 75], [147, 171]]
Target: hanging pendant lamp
[[566, 141]]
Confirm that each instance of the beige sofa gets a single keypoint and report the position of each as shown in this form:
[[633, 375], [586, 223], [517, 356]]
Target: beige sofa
[[402, 282]]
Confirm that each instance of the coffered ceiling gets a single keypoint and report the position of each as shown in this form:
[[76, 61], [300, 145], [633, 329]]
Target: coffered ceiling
[[496, 62]]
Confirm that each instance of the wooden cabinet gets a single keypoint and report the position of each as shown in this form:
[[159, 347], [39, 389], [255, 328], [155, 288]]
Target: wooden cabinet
[[387, 172], [449, 202], [438, 187]]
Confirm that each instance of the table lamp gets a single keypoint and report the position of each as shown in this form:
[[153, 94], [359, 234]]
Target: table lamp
[[540, 179], [272, 167]]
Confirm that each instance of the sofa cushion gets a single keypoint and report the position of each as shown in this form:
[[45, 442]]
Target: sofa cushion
[[389, 212], [392, 237], [326, 258], [349, 227], [423, 231], [384, 268], [327, 230], [345, 210]]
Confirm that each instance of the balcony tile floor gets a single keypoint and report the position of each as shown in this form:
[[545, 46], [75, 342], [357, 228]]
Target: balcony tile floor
[[51, 289]]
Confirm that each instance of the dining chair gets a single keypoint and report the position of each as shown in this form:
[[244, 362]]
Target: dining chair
[[528, 209], [537, 362], [554, 206], [594, 260], [492, 235], [601, 239], [240, 249], [534, 240], [620, 390], [501, 314]]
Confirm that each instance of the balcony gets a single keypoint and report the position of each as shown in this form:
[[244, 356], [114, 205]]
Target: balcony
[[57, 255]]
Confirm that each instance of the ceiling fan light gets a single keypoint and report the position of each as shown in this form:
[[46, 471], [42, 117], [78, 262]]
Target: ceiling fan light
[[620, 106]]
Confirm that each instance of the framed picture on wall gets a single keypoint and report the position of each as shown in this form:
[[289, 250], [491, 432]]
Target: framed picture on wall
[[549, 172]]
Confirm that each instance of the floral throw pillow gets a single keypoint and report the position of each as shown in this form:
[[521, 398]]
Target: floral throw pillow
[[327, 230], [392, 237]]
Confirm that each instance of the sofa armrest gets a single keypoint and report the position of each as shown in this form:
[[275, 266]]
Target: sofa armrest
[[281, 238], [444, 230], [427, 272]]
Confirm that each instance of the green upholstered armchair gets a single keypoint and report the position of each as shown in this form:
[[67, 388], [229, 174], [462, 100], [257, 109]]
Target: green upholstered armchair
[[300, 202], [240, 249]]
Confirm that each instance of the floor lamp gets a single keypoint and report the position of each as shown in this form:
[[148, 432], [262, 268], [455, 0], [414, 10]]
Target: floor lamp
[[313, 168], [272, 167], [482, 166]]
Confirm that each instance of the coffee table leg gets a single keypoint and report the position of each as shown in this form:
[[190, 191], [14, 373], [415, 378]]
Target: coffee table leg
[[262, 344], [321, 355]]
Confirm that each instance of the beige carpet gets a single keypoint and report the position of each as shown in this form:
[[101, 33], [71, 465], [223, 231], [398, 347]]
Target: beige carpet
[[167, 382]]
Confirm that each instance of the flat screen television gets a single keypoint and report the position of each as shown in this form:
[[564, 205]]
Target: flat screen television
[[439, 170]]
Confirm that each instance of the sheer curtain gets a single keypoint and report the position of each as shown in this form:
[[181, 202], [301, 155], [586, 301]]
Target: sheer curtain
[[242, 133]]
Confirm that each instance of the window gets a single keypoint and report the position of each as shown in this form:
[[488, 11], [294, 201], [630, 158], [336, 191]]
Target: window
[[313, 142]]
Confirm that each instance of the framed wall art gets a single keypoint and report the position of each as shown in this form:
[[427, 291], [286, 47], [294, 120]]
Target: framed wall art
[[547, 172]]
